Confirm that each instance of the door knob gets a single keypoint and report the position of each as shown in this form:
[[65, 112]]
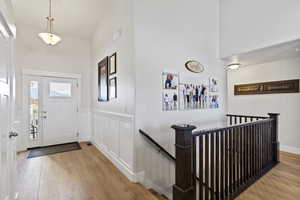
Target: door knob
[[13, 134]]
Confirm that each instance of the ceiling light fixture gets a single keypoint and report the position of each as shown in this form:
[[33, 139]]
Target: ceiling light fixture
[[234, 66], [49, 37]]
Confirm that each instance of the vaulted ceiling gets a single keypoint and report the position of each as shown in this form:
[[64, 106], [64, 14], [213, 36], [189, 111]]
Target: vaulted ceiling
[[76, 18]]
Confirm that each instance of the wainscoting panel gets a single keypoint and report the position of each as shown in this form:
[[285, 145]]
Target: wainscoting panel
[[113, 135], [126, 140]]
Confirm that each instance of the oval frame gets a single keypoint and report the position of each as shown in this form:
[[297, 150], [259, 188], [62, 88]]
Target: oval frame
[[188, 67]]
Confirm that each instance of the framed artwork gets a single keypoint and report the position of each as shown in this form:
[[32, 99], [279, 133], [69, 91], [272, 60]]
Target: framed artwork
[[103, 80], [274, 87], [113, 64], [170, 81], [213, 84], [113, 88]]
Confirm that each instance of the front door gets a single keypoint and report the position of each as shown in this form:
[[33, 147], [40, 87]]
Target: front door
[[7, 135], [52, 110], [60, 111]]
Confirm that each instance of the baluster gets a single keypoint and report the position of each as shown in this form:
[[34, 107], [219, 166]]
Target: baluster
[[212, 167], [206, 169], [254, 149], [234, 157], [194, 161], [250, 150], [222, 164], [237, 140], [201, 157], [227, 156], [235, 120], [260, 147], [240, 120], [270, 141], [230, 162], [265, 148], [217, 183], [230, 120], [241, 155], [244, 154], [247, 152]]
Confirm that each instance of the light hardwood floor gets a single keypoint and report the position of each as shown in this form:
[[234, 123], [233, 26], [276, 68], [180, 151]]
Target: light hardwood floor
[[77, 175], [88, 175], [281, 183]]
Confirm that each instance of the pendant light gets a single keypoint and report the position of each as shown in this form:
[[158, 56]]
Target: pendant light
[[49, 37], [234, 66]]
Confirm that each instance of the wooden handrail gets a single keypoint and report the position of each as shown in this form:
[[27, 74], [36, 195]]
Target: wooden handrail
[[160, 148], [208, 131], [248, 116]]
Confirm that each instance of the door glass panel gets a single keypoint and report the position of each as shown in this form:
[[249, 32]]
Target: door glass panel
[[34, 110], [59, 89]]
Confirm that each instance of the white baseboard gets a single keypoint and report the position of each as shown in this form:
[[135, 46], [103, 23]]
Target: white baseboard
[[140, 177], [118, 163], [290, 149], [149, 184]]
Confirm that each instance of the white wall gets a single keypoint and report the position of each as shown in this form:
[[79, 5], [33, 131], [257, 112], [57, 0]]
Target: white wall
[[72, 55], [167, 34], [117, 19], [250, 25], [113, 121], [288, 105]]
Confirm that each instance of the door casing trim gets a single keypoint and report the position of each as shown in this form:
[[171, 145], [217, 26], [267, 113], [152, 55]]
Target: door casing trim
[[27, 73]]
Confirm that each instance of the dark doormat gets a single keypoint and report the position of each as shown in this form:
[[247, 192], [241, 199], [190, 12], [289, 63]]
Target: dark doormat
[[42, 151]]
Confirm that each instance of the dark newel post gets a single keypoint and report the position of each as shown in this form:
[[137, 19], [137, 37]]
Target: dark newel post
[[275, 141], [183, 188]]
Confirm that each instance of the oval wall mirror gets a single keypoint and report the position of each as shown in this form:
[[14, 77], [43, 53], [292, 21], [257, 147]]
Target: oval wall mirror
[[194, 66]]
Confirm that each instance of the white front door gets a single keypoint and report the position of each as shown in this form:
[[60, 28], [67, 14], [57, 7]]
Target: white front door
[[7, 135], [60, 111], [52, 105]]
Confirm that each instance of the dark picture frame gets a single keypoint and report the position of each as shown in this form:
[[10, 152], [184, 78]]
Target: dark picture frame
[[274, 87], [103, 80], [113, 88], [113, 64]]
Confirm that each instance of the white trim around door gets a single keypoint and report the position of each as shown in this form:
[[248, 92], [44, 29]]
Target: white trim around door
[[43, 79]]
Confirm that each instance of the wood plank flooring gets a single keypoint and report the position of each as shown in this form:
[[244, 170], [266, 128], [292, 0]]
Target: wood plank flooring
[[88, 175], [77, 175], [281, 183]]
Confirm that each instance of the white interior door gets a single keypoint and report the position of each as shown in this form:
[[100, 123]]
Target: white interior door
[[7, 136], [59, 111]]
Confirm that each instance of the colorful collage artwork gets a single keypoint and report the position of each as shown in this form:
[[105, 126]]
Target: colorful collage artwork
[[189, 93]]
